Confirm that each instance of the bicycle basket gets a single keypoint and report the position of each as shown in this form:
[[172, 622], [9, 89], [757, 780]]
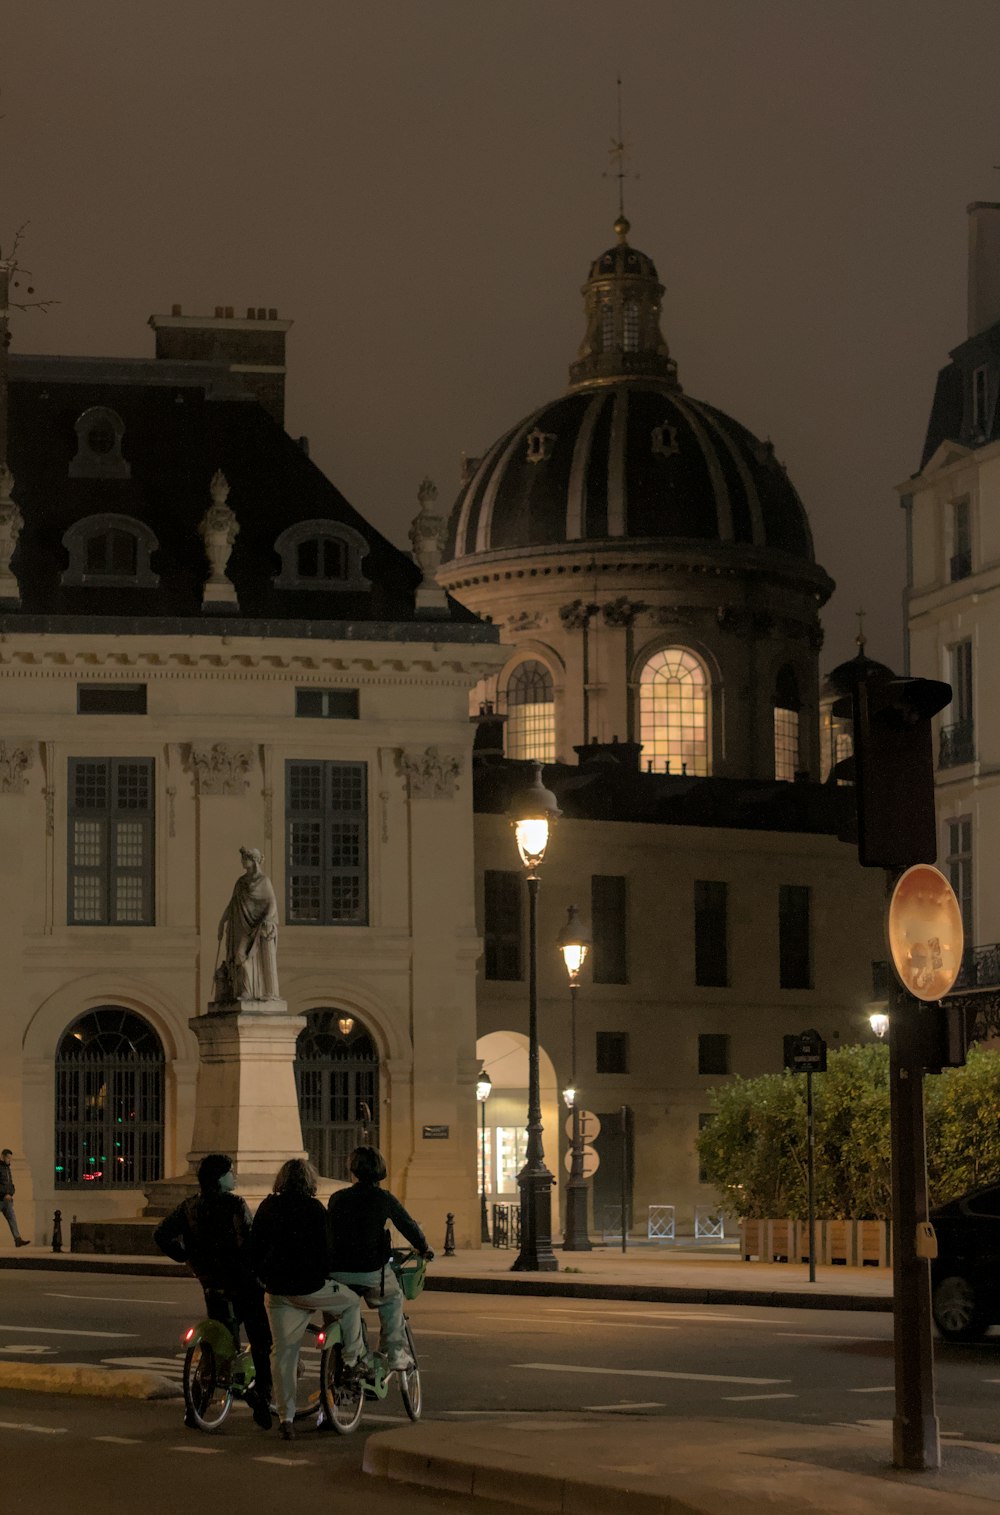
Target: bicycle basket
[[411, 1276]]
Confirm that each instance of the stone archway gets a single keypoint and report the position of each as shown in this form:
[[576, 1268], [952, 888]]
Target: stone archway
[[337, 1082], [504, 1055]]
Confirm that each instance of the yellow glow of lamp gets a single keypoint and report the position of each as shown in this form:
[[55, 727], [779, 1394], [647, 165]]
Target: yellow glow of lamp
[[532, 813], [573, 942], [484, 1087], [569, 1096], [925, 932], [879, 1023]]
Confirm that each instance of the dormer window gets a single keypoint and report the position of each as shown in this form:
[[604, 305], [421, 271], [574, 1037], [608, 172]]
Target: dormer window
[[99, 433], [979, 418], [321, 555], [540, 445], [110, 551]]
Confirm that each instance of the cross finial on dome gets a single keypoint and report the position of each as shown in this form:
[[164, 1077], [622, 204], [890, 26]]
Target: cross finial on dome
[[860, 638]]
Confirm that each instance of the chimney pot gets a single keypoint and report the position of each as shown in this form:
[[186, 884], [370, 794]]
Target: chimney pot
[[272, 314], [175, 310], [261, 313], [219, 312], [229, 312], [249, 312]]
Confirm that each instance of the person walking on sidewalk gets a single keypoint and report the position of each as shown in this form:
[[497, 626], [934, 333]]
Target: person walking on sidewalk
[[7, 1198], [360, 1245], [211, 1233], [291, 1253]]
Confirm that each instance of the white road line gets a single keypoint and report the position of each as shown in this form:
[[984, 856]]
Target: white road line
[[881, 1389], [393, 1420], [742, 1320], [560, 1367], [119, 1441], [23, 1425], [285, 1462], [61, 1331], [583, 1320], [471, 1335], [113, 1299], [823, 1336], [637, 1404], [198, 1451], [746, 1398]]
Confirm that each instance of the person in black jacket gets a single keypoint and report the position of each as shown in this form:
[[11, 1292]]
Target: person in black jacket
[[211, 1233], [360, 1246], [7, 1198], [291, 1254]]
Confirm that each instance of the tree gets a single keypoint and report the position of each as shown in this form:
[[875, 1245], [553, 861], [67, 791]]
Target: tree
[[754, 1149]]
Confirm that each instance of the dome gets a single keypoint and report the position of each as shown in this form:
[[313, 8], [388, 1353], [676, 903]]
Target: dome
[[634, 459]]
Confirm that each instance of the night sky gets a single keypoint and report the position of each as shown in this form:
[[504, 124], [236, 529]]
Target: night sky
[[419, 185]]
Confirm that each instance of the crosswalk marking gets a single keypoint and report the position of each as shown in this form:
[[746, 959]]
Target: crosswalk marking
[[203, 1451], [119, 1441], [286, 1462], [24, 1425], [746, 1398], [63, 1331], [559, 1367]]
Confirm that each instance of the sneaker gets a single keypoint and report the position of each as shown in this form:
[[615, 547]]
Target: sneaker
[[20, 1242], [287, 1430], [401, 1362], [261, 1409]]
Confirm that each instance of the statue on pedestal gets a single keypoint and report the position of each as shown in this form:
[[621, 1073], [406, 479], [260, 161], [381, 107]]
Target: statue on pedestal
[[248, 937]]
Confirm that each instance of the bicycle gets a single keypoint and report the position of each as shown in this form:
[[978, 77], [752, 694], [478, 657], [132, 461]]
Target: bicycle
[[343, 1392], [217, 1370]]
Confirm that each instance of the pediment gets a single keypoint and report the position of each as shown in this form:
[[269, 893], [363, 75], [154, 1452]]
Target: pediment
[[944, 455]]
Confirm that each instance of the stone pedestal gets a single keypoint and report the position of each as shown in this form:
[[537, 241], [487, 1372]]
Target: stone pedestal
[[245, 1102]]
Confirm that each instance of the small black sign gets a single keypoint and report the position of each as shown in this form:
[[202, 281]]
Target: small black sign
[[436, 1133], [805, 1053]]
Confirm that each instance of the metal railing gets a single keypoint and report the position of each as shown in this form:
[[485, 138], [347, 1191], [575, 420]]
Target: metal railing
[[709, 1225], [661, 1225], [957, 744], [507, 1225], [980, 967]]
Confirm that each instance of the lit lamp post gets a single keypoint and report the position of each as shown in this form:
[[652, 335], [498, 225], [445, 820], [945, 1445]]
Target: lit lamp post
[[573, 942], [484, 1088], [531, 814], [879, 1023]]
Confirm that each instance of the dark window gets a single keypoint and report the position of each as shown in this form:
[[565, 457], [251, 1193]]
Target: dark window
[[336, 1076], [109, 1102], [608, 925], [110, 823], [713, 1053], [711, 961], [612, 1052], [960, 869], [961, 558], [327, 704], [111, 699], [794, 945], [114, 552], [322, 558], [326, 812], [502, 915]]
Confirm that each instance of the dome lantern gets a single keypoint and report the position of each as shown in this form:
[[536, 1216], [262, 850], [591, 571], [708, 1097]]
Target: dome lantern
[[622, 301]]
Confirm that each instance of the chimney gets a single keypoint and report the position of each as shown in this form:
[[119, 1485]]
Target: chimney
[[253, 346], [984, 265]]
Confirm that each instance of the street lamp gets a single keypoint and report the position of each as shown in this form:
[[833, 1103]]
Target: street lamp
[[532, 813], [484, 1088], [879, 1023], [573, 942]]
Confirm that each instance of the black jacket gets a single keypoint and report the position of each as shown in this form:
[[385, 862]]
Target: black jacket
[[6, 1180], [211, 1233], [359, 1242], [289, 1244]]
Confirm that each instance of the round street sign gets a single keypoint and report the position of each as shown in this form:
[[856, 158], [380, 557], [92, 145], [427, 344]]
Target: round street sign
[[925, 932], [590, 1126], [591, 1162]]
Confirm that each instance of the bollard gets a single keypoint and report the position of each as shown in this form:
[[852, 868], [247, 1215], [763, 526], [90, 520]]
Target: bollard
[[449, 1236], [57, 1231]]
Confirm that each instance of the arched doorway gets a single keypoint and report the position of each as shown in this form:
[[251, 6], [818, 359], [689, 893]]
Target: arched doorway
[[504, 1055], [336, 1078], [109, 1102]]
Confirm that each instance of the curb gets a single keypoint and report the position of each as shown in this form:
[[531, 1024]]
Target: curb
[[85, 1263], [84, 1378]]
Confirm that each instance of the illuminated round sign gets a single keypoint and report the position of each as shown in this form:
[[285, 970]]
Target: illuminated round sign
[[925, 932]]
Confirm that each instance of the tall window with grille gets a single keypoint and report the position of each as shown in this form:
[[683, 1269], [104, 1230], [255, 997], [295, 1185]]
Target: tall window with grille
[[958, 735], [630, 326], [531, 713], [337, 1078], [711, 934], [786, 725], [673, 712], [960, 870], [961, 540], [109, 1102], [326, 819], [609, 928], [110, 830], [502, 917]]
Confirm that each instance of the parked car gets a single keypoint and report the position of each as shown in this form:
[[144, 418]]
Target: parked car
[[965, 1275]]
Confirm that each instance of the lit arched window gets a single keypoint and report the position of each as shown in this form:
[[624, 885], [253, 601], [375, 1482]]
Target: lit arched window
[[109, 1102], [631, 331], [336, 1075], [531, 713], [786, 725], [673, 713]]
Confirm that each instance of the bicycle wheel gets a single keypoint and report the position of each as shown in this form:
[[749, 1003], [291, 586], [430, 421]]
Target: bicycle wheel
[[343, 1398], [206, 1401], [308, 1392], [409, 1381]]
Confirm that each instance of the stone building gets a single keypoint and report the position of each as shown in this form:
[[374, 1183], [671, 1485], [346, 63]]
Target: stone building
[[651, 568], [203, 646]]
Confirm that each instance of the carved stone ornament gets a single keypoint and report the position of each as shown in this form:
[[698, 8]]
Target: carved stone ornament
[[11, 522], [525, 620], [623, 611], [427, 539], [14, 763], [219, 530], [674, 615], [664, 440], [540, 445], [577, 615], [222, 768], [431, 774]]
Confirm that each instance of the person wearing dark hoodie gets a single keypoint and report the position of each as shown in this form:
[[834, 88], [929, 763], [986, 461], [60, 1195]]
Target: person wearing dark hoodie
[[291, 1253], [360, 1245], [211, 1233]]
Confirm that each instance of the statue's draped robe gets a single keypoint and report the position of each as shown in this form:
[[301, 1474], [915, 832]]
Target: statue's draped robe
[[250, 937]]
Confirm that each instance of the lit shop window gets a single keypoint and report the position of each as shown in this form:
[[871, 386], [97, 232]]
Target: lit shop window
[[512, 1151]]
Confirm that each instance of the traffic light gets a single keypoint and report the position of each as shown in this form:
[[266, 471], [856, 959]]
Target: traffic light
[[894, 768]]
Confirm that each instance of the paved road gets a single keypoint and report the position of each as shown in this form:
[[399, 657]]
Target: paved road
[[480, 1357]]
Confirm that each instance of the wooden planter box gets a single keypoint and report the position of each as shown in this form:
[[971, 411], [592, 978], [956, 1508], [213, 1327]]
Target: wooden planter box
[[848, 1243], [873, 1244]]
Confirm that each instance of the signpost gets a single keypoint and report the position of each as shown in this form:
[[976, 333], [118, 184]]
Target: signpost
[[806, 1053]]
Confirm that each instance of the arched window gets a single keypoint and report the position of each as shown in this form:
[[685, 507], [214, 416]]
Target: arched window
[[321, 558], [786, 725], [631, 326], [321, 554], [113, 552], [607, 327], [531, 713], [109, 1102], [99, 433], [336, 1076], [110, 551], [673, 712]]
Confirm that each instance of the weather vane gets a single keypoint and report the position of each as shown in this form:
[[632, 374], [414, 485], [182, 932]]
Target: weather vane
[[618, 153], [860, 638]]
